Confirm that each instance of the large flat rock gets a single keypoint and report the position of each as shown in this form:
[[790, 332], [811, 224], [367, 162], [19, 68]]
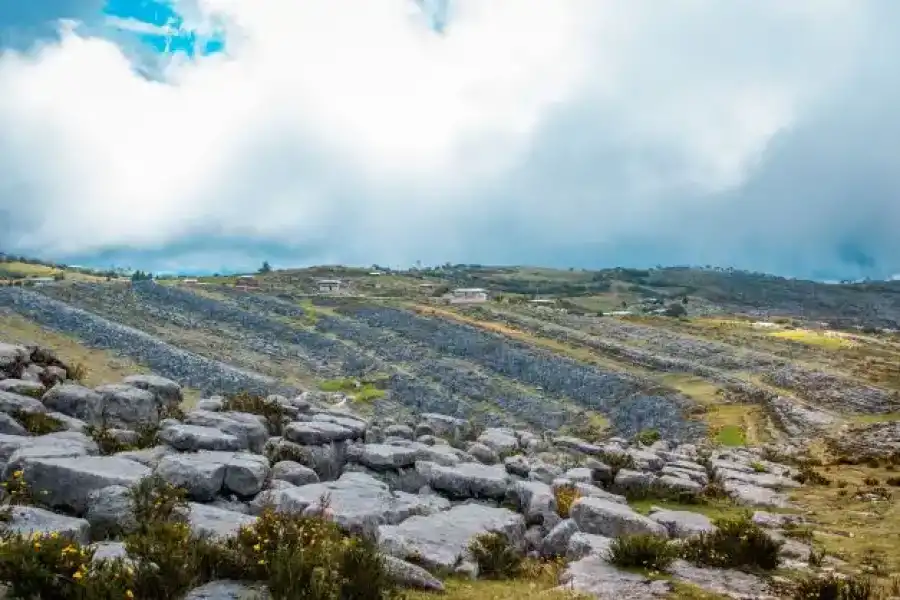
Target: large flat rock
[[438, 541], [69, 481]]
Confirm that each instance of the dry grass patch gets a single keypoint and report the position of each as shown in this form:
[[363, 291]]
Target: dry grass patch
[[858, 517], [539, 581], [101, 366]]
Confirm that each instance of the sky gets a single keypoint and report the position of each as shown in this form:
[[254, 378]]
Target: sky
[[210, 135]]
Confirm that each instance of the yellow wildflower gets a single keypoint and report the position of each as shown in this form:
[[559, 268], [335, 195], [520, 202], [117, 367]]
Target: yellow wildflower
[[129, 594], [78, 575], [257, 547], [18, 474]]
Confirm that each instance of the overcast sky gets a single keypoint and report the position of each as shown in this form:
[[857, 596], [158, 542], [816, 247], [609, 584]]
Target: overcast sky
[[760, 134]]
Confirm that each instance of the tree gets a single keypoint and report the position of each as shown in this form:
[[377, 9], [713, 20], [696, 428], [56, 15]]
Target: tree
[[265, 268], [676, 310]]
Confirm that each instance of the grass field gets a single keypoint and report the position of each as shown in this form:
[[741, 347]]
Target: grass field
[[824, 339], [102, 366], [31, 270]]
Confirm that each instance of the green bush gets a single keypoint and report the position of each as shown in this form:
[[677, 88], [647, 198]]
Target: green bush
[[809, 475], [735, 543], [38, 423], [834, 587], [496, 557], [42, 565], [643, 551], [617, 461], [648, 437], [275, 415]]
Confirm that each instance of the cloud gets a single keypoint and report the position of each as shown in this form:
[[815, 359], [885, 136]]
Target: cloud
[[569, 132]]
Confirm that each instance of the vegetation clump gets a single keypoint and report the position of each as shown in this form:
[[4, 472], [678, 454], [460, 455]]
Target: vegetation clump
[[294, 556], [648, 437], [496, 556], [735, 543], [565, 496], [642, 551], [37, 423], [835, 587], [274, 413]]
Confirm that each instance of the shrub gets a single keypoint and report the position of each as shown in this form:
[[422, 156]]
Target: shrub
[[809, 475], [834, 587], [106, 440], [644, 551], [736, 542], [38, 423], [155, 501], [893, 481], [565, 495], [758, 467], [77, 372], [873, 481], [495, 556], [14, 491], [42, 565], [648, 437], [617, 461], [274, 414]]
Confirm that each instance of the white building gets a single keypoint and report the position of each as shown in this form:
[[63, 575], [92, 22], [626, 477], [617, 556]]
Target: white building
[[468, 296], [327, 286]]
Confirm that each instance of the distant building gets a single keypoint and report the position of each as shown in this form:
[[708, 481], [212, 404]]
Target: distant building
[[330, 286], [468, 296], [190, 282]]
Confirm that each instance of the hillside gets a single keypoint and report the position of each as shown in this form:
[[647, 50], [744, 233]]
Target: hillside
[[808, 371]]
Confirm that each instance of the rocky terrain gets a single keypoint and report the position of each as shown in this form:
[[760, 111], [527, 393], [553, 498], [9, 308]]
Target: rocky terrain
[[422, 488], [423, 427]]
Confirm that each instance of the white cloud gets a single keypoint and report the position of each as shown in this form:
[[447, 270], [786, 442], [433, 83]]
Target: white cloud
[[365, 132]]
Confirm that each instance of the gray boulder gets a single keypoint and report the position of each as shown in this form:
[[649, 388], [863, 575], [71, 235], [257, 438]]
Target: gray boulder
[[109, 511], [22, 387], [294, 472], [167, 393], [228, 590], [466, 480], [681, 523], [124, 406], [191, 438], [556, 542], [483, 454], [29, 520], [317, 433], [249, 428], [501, 441], [69, 481], [610, 519], [585, 544], [10, 403], [211, 522], [412, 576], [9, 426], [383, 456]]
